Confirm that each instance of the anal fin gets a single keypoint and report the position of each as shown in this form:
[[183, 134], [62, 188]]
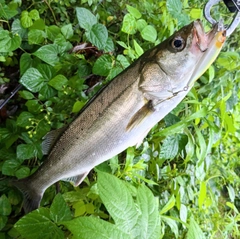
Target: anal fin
[[140, 116], [76, 180]]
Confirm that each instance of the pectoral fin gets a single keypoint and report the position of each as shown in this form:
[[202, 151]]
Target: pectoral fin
[[140, 116]]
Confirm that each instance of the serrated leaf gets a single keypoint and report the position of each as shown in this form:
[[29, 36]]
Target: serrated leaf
[[67, 31], [149, 33], [38, 225], [194, 231], [103, 65], [119, 204], [133, 11], [174, 7], [48, 54], [98, 35], [25, 151], [90, 227], [32, 79], [85, 18], [148, 223], [5, 206], [129, 24], [59, 211], [58, 82], [170, 147]]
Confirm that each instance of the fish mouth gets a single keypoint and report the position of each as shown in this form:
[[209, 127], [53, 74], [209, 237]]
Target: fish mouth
[[203, 39]]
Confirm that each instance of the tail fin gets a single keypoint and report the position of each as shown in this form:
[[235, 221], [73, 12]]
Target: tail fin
[[31, 197]]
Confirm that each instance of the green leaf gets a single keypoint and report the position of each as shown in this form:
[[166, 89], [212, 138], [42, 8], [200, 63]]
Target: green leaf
[[9, 42], [170, 147], [170, 204], [10, 167], [23, 119], [129, 24], [103, 65], [119, 204], [85, 18], [32, 79], [23, 172], [26, 95], [59, 211], [47, 71], [35, 36], [141, 24], [3, 222], [34, 14], [38, 225], [52, 32], [47, 92], [148, 223], [98, 35], [172, 224], [90, 227], [149, 33], [67, 31], [5, 206], [133, 11], [202, 194], [25, 151], [77, 106], [26, 20], [33, 106], [7, 12], [58, 82], [194, 231], [138, 48], [174, 7], [48, 54], [25, 62]]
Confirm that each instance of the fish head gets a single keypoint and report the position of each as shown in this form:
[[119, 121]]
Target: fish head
[[189, 52]]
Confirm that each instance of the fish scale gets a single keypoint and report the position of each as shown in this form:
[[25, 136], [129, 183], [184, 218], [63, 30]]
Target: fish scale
[[124, 111]]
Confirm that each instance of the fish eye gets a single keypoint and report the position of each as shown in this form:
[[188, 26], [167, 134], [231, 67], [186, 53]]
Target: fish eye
[[178, 43]]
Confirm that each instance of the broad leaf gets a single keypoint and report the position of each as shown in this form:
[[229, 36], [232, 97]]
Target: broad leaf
[[85, 18], [48, 54], [194, 230], [25, 151], [90, 227], [32, 79], [58, 82], [5, 206], [103, 65], [38, 225], [148, 224], [149, 33], [119, 204], [98, 35], [59, 211]]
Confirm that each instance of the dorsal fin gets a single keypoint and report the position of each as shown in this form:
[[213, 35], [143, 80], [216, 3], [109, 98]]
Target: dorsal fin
[[50, 139]]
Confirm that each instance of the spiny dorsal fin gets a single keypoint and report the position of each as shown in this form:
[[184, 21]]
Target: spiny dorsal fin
[[50, 139], [140, 115], [76, 180]]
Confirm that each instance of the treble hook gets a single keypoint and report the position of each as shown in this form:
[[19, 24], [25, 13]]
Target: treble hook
[[236, 20]]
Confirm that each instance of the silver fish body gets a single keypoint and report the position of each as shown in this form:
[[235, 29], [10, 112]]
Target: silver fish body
[[123, 112]]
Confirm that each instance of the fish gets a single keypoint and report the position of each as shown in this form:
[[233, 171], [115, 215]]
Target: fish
[[122, 113]]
